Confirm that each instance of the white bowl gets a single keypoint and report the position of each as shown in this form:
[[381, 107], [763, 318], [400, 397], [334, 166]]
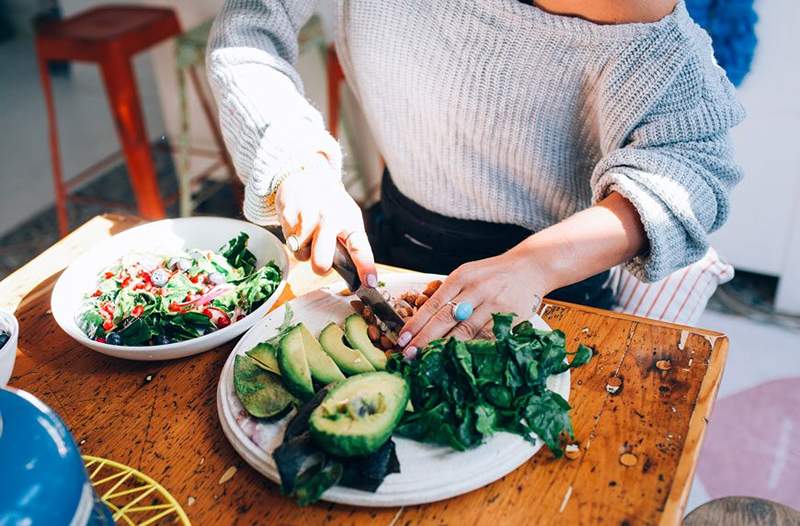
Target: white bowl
[[8, 352], [165, 236]]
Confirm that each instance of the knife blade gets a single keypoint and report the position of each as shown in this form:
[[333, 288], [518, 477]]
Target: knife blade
[[344, 265]]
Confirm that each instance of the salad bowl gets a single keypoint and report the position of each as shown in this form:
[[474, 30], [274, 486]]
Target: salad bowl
[[163, 238]]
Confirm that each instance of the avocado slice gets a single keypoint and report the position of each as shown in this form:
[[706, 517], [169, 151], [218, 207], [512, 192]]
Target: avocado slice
[[358, 415], [323, 368], [262, 394], [293, 364], [355, 329], [349, 360], [265, 356]]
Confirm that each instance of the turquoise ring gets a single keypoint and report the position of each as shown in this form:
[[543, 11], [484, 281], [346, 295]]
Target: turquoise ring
[[461, 310]]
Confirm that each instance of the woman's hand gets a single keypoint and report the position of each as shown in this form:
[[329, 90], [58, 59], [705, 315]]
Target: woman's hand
[[314, 206], [511, 282]]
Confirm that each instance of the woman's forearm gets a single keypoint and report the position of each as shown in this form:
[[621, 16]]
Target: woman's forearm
[[586, 243]]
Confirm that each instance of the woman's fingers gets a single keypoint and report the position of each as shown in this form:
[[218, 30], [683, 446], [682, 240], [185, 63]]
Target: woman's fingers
[[442, 322], [446, 292], [474, 325], [324, 245], [360, 250]]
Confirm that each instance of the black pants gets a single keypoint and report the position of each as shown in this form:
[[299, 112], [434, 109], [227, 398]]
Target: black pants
[[404, 234]]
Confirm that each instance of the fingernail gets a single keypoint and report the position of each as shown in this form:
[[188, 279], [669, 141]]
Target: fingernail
[[372, 280], [404, 338], [410, 353]]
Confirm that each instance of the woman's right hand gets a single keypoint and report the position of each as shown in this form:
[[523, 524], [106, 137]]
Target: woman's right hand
[[314, 206]]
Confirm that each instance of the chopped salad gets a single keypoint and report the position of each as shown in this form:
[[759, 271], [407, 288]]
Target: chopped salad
[[149, 299]]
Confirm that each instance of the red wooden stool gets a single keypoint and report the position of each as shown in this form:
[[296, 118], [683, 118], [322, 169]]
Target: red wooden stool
[[108, 36]]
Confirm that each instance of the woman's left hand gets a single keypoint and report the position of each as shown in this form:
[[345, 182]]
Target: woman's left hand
[[510, 282]]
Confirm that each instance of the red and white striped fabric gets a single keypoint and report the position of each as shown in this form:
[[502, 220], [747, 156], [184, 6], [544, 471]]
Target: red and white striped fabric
[[680, 298]]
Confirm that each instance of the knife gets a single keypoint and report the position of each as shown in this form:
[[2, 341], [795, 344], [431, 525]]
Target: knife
[[372, 298]]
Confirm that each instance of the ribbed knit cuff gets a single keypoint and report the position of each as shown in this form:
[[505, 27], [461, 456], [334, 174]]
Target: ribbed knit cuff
[[670, 246], [261, 185]]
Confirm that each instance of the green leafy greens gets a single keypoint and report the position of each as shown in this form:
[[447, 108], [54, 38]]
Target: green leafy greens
[[146, 299], [464, 391]]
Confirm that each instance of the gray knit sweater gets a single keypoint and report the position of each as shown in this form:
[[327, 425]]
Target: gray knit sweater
[[496, 110]]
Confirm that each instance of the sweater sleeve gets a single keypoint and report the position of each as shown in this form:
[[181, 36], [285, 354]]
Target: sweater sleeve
[[268, 125], [676, 167]]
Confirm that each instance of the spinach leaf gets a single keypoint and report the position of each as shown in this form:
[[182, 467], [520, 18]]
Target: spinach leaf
[[463, 392]]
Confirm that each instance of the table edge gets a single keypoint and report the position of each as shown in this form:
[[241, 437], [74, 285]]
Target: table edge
[[675, 505]]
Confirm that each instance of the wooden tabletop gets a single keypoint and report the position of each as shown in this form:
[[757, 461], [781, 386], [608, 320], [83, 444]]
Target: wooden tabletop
[[639, 446]]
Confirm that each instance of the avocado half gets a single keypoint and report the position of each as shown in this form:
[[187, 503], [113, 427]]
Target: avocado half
[[359, 415], [350, 361], [355, 329]]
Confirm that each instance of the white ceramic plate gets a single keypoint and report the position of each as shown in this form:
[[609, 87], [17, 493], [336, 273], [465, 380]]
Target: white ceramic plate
[[428, 473], [208, 233]]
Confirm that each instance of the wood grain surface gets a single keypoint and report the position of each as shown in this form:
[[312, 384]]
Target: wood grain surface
[[638, 446]]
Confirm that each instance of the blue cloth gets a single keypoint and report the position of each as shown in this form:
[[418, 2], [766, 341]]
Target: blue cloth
[[731, 24]]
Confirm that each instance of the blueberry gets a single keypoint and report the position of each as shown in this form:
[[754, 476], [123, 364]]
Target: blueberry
[[114, 338], [159, 277], [3, 339], [216, 278], [162, 339]]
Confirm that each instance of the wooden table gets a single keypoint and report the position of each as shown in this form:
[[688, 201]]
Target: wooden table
[[168, 427]]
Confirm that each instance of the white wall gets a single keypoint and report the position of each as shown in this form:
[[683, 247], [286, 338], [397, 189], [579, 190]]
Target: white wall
[[766, 205]]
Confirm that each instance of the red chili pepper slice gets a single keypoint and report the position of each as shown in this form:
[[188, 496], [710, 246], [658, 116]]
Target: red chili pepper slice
[[195, 278], [125, 282], [108, 325], [207, 312], [109, 275], [97, 293], [137, 311], [174, 307]]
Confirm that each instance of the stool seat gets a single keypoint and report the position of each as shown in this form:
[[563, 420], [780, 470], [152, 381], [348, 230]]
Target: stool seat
[[92, 34]]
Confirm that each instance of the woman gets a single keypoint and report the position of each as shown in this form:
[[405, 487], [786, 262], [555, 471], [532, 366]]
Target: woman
[[529, 147]]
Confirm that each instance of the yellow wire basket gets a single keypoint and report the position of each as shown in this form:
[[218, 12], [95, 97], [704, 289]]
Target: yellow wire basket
[[133, 498]]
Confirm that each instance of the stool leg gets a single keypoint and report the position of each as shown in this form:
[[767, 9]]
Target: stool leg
[[335, 76], [120, 83], [55, 154]]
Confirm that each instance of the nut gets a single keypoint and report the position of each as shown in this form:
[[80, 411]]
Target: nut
[[345, 292], [368, 315], [373, 332], [614, 385], [409, 296], [628, 460], [404, 312], [420, 301], [663, 365], [432, 287], [385, 343], [572, 451], [358, 306]]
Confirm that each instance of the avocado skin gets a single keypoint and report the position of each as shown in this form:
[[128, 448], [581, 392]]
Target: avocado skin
[[350, 361], [342, 444], [355, 329], [293, 364], [262, 394]]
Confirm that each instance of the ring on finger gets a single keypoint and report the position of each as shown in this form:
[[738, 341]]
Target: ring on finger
[[461, 311], [293, 243]]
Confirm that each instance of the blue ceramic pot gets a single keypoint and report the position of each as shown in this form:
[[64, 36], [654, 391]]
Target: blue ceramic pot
[[44, 481]]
